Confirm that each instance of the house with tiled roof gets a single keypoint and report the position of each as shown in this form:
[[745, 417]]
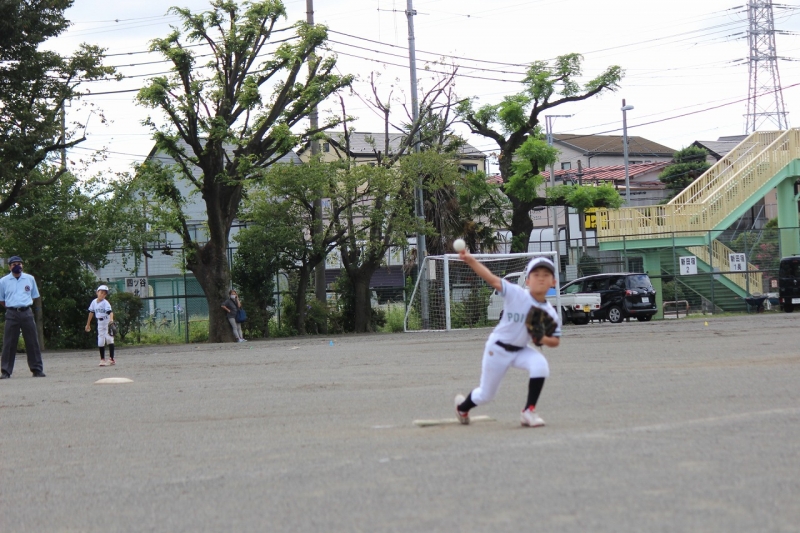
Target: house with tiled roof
[[365, 148], [607, 150], [719, 148]]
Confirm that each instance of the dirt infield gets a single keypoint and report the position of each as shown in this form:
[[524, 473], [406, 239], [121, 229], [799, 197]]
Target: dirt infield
[[661, 426]]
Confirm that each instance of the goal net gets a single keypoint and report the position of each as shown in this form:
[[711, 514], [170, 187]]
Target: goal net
[[449, 295]]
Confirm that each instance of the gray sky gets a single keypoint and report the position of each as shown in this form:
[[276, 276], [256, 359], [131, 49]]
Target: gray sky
[[681, 58]]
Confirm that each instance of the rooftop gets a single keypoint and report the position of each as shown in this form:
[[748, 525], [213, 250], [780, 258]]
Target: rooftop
[[720, 148], [610, 173], [366, 143], [612, 144]]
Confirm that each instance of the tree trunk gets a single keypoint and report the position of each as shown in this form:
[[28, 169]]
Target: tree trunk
[[304, 275], [521, 223], [363, 306], [210, 266]]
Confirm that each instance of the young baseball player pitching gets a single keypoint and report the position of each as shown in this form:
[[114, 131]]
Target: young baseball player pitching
[[507, 345], [101, 309]]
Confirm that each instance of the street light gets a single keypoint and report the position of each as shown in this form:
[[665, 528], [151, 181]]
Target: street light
[[626, 108]]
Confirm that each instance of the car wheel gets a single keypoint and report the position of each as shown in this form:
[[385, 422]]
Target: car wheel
[[644, 318], [615, 314], [788, 308], [580, 321]]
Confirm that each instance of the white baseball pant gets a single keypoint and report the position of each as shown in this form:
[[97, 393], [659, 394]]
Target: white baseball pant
[[497, 361], [103, 337]]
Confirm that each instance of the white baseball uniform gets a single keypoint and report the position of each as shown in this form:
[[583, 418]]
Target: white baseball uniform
[[511, 331], [102, 312]]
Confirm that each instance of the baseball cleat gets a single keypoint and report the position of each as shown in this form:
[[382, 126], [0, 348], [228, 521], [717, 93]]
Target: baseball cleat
[[529, 418], [102, 362], [462, 417]]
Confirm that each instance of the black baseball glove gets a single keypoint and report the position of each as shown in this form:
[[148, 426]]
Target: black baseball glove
[[540, 325], [112, 328]]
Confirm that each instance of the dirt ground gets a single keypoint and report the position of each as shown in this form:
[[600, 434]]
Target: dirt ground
[[661, 426]]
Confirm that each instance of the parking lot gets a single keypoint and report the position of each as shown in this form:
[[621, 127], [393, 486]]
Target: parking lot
[[666, 426]]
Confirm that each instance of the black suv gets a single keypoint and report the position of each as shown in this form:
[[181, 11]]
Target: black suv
[[789, 283], [622, 295]]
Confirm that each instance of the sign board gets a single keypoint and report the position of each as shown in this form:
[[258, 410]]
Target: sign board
[[590, 218], [688, 265], [738, 262], [137, 286]]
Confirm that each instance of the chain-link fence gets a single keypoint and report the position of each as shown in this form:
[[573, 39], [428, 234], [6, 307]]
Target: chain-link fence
[[725, 271], [175, 308]]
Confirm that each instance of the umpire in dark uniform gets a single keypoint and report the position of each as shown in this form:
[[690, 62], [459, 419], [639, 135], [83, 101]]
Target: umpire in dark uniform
[[17, 292]]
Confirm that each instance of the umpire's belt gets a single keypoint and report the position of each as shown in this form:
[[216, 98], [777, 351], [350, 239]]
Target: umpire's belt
[[20, 308], [508, 347]]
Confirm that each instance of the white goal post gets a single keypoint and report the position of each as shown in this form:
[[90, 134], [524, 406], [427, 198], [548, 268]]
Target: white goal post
[[449, 295]]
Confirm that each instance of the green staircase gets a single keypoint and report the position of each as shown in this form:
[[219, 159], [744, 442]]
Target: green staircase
[[721, 292], [710, 205]]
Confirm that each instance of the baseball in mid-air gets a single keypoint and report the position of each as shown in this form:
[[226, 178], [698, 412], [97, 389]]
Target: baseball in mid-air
[[459, 245]]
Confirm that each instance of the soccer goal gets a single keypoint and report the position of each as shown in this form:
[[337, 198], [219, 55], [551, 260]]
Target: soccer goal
[[449, 295]]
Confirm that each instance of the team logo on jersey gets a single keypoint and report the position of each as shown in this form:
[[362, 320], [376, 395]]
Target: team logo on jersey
[[27, 288]]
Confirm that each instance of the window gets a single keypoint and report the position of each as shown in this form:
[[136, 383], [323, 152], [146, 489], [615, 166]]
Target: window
[[572, 289], [469, 167], [326, 147], [596, 285], [566, 166]]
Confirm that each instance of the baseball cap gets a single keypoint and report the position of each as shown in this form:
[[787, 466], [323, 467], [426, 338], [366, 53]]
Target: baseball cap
[[103, 288], [15, 259], [537, 262]]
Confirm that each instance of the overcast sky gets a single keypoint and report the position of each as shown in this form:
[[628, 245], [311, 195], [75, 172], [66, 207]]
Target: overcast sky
[[683, 57]]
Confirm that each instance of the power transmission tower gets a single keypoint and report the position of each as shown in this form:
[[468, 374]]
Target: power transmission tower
[[765, 94]]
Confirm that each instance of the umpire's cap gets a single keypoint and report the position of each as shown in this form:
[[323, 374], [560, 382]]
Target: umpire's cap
[[537, 262], [15, 259], [103, 288]]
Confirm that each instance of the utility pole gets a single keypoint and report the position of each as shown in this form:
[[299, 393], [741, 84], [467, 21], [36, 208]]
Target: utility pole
[[581, 213], [419, 199], [625, 109], [313, 117], [548, 119], [765, 80]]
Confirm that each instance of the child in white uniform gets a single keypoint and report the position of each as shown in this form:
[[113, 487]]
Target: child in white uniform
[[102, 310], [508, 343]]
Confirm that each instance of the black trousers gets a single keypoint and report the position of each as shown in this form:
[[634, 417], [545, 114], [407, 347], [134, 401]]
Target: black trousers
[[16, 321]]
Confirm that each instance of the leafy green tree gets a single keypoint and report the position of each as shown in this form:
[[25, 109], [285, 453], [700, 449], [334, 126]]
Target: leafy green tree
[[688, 164], [379, 216], [229, 119], [60, 231], [256, 262], [34, 86], [127, 312], [281, 219], [516, 119], [482, 209], [583, 198]]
